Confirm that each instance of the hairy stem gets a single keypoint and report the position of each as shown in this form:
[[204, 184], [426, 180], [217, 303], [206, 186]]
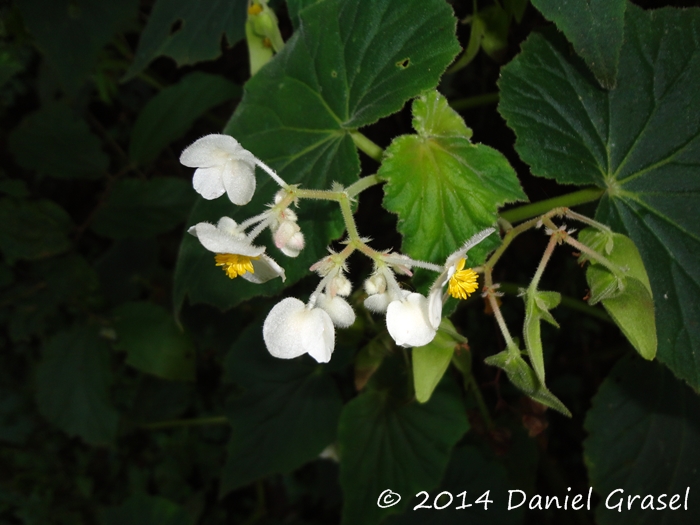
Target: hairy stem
[[364, 144], [538, 208], [543, 262], [362, 184], [475, 101], [566, 302], [491, 296]]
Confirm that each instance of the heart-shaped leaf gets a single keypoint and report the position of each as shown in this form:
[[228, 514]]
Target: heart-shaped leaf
[[286, 416], [345, 67], [594, 27], [643, 432], [640, 142]]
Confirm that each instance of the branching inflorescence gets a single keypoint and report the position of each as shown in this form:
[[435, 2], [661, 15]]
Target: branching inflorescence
[[293, 328]]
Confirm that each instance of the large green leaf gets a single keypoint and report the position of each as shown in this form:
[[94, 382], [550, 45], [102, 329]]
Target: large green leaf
[[56, 143], [594, 27], [639, 141], [153, 342], [389, 443], [643, 433], [71, 33], [286, 416], [188, 32], [471, 471], [138, 209], [169, 114], [33, 229], [443, 187], [73, 380], [345, 67]]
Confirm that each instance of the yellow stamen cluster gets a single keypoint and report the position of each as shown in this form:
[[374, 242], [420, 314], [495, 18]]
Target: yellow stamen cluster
[[235, 265], [463, 283]]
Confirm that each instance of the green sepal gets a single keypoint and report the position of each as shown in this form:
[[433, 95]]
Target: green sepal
[[431, 361], [629, 300], [618, 249], [525, 378], [537, 306]]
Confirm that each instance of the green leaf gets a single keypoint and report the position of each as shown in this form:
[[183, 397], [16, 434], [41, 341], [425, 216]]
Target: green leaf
[[141, 509], [537, 306], [73, 380], [71, 33], [638, 141], [139, 209], [471, 471], [14, 188], [52, 285], [444, 188], [595, 28], [388, 443], [126, 268], [346, 67], [33, 229], [188, 32], [169, 114], [286, 416], [153, 342], [643, 431], [295, 6], [524, 378], [56, 143], [431, 361]]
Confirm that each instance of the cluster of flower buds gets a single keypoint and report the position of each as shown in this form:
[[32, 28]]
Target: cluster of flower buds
[[293, 328]]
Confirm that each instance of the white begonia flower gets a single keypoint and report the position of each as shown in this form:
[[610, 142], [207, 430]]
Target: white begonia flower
[[235, 252], [340, 312], [292, 329], [407, 321], [462, 281], [406, 312], [223, 165]]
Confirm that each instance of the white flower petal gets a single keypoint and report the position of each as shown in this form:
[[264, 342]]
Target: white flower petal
[[284, 232], [218, 241], [407, 321], [239, 180], [213, 150], [435, 304], [280, 330], [377, 302], [228, 225], [265, 269], [318, 335], [208, 183], [340, 312], [291, 329]]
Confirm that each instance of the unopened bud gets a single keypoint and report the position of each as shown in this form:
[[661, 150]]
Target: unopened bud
[[375, 284]]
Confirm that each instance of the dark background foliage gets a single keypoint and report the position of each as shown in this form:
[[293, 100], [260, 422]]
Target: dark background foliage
[[116, 407]]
